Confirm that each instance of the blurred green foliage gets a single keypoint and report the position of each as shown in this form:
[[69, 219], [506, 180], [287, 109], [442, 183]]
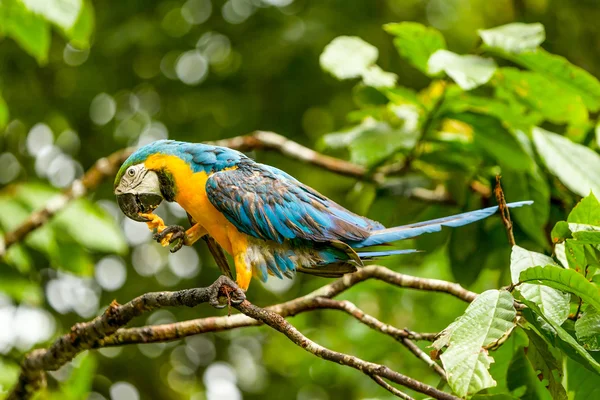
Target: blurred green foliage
[[444, 103]]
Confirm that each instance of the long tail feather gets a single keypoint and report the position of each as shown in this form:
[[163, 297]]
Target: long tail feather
[[370, 255], [435, 225]]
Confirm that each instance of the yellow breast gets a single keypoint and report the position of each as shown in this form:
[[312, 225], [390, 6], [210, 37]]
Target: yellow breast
[[191, 195]]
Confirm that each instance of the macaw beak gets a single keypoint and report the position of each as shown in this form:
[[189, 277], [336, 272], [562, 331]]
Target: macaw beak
[[132, 204]]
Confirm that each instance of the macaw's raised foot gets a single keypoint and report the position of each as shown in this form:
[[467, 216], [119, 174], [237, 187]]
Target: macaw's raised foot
[[178, 233], [225, 292]]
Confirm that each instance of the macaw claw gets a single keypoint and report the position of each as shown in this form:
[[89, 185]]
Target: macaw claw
[[225, 292], [176, 232]]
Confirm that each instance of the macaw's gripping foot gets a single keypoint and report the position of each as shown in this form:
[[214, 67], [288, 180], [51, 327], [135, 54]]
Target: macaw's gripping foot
[[177, 234], [225, 292]]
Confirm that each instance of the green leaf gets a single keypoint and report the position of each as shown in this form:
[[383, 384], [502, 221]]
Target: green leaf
[[488, 319], [79, 383], [3, 113], [544, 96], [515, 37], [588, 237], [29, 30], [62, 13], [558, 337], [348, 57], [567, 280], [416, 42], [372, 141], [586, 212], [497, 141], [14, 214], [547, 367], [587, 329], [21, 289], [560, 232], [374, 76], [533, 186], [575, 253], [553, 303], [72, 257], [558, 69], [92, 227], [467, 71], [522, 379], [80, 33], [575, 165], [582, 384], [510, 113]]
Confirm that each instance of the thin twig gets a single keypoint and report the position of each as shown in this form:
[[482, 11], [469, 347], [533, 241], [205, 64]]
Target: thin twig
[[504, 212], [399, 334], [280, 324], [381, 382]]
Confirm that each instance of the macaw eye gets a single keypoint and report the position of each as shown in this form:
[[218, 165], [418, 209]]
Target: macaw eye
[[131, 172]]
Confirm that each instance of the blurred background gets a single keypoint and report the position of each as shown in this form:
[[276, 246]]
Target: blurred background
[[200, 70]]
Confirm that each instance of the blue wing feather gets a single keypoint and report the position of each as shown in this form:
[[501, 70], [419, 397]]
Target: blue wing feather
[[269, 204]]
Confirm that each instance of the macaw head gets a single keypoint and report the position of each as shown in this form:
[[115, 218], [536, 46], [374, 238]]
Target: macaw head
[[138, 189]]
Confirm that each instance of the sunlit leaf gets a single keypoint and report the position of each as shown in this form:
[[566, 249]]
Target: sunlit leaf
[[80, 33], [372, 141], [542, 94], [553, 303], [348, 57], [566, 280], [515, 37], [559, 70], [587, 329], [376, 77], [575, 165], [416, 42], [62, 13], [28, 29], [586, 212], [466, 360], [467, 71]]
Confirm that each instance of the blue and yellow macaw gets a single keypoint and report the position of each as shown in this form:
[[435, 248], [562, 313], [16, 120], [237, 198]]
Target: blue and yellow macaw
[[269, 222]]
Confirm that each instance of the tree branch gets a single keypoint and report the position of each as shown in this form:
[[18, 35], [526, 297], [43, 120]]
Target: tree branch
[[83, 335], [280, 324], [272, 141], [104, 330]]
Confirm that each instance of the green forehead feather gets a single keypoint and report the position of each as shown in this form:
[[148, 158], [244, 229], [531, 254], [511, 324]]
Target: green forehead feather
[[132, 160]]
